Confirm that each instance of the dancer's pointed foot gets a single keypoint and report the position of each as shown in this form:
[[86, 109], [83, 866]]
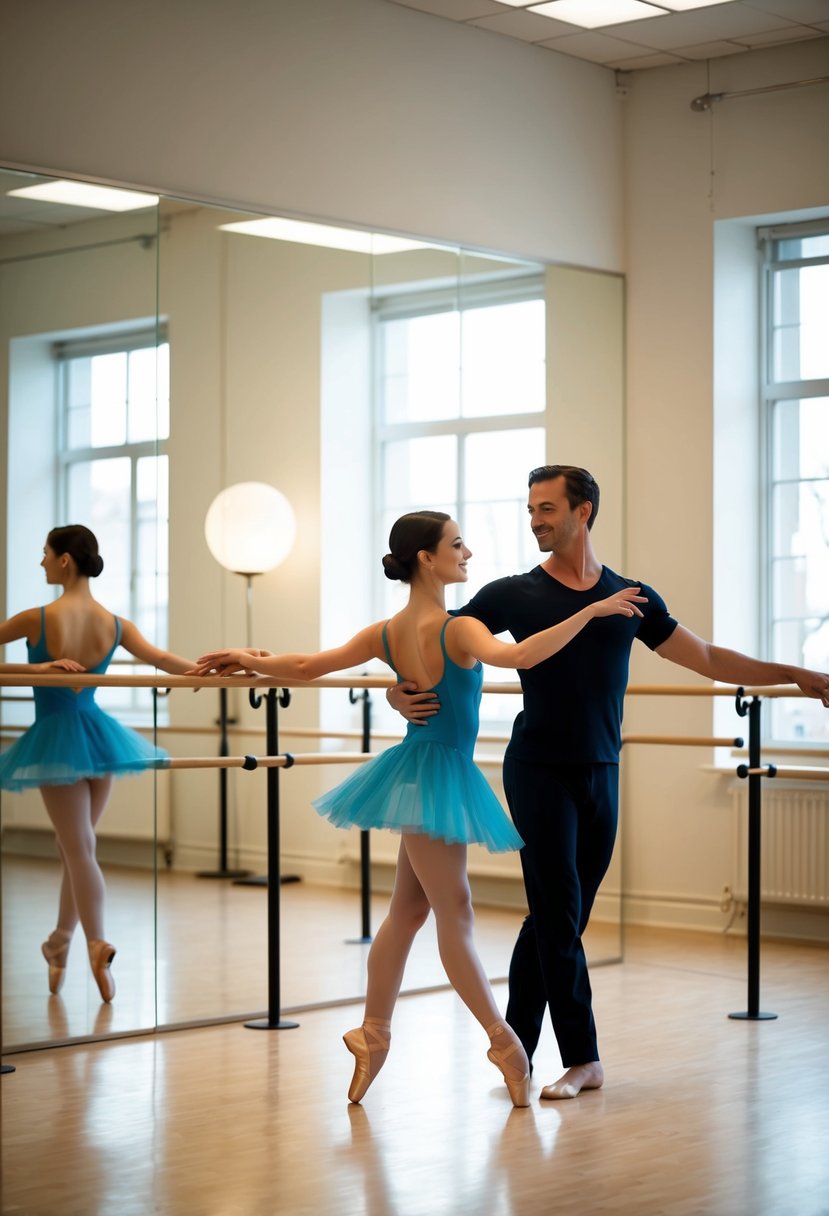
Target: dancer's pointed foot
[[55, 950], [507, 1054], [101, 955], [577, 1078], [369, 1044]]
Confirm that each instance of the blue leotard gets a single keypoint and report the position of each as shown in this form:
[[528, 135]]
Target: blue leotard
[[72, 738], [429, 782]]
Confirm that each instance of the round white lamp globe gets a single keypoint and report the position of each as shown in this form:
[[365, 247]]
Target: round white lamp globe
[[250, 528]]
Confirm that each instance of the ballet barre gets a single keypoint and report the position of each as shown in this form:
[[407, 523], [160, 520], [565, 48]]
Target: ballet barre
[[84, 680], [791, 772]]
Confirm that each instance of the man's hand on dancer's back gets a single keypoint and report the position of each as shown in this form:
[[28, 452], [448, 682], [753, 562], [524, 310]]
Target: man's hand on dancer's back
[[415, 706]]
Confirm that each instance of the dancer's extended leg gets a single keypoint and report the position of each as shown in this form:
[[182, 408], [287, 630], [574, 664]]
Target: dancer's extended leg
[[67, 908], [70, 808], [441, 870], [369, 1043]]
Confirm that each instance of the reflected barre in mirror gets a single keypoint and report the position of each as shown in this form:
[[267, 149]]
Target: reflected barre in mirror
[[156, 356]]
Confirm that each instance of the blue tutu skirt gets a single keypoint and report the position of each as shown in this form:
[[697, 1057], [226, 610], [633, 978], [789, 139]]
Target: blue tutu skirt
[[429, 788], [64, 747]]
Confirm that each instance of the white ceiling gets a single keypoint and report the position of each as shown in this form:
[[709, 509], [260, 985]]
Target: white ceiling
[[733, 28]]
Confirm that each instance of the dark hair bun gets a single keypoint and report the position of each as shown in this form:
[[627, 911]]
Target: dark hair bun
[[394, 569], [81, 545]]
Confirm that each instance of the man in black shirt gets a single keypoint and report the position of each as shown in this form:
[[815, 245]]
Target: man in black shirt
[[561, 766]]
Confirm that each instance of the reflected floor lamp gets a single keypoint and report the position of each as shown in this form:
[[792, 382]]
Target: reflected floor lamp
[[250, 529]]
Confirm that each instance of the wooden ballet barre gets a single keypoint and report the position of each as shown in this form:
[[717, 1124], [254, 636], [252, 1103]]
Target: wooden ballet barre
[[801, 772], [284, 760], [683, 740], [84, 680]]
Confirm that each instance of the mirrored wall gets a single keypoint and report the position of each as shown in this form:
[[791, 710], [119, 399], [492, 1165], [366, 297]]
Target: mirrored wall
[[151, 357]]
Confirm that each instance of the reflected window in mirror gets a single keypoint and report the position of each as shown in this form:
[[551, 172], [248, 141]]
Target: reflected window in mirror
[[459, 422], [110, 406]]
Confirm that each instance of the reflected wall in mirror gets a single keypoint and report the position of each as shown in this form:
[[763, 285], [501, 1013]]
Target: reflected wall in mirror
[[361, 376]]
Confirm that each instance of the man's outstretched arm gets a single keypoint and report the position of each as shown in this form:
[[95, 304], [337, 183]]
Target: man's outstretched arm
[[731, 667]]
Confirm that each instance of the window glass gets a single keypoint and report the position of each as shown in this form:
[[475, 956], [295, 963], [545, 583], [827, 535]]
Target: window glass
[[421, 368], [800, 349], [503, 360], [119, 399]]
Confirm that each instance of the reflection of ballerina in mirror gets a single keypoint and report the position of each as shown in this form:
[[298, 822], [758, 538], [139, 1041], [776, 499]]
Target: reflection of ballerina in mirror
[[73, 749]]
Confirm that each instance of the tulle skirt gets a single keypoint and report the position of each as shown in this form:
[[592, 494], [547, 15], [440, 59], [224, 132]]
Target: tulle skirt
[[68, 746], [426, 787]]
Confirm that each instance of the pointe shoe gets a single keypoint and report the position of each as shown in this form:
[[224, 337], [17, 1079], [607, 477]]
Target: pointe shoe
[[518, 1082], [373, 1036], [55, 950], [101, 955]]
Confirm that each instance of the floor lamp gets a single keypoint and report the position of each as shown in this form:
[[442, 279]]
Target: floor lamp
[[250, 529]]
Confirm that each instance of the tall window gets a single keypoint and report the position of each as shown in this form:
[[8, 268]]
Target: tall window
[[460, 422], [114, 423], [796, 437]]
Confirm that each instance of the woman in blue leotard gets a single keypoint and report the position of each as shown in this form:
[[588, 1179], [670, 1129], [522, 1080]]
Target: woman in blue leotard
[[73, 749], [427, 788]]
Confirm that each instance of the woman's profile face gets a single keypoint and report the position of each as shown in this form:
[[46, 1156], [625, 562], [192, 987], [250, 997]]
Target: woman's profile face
[[52, 565], [449, 559]]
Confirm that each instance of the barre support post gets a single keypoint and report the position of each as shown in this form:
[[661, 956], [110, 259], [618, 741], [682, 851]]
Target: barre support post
[[365, 835], [273, 1021], [224, 750], [755, 796]]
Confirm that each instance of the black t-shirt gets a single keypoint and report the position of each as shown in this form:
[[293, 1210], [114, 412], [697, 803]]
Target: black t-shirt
[[573, 702]]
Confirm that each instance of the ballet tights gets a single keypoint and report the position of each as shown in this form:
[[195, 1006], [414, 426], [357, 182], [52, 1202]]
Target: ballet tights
[[430, 874], [74, 811]]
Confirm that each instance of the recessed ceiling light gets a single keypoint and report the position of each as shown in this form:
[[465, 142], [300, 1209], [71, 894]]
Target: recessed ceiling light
[[83, 194], [591, 14], [682, 6], [304, 233]]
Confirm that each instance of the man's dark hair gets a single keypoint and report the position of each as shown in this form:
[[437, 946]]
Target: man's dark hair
[[580, 486]]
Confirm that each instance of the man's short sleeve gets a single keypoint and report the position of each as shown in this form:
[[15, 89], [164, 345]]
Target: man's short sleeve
[[657, 624], [487, 606]]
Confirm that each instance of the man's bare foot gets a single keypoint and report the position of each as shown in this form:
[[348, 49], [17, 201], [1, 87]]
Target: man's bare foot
[[577, 1078]]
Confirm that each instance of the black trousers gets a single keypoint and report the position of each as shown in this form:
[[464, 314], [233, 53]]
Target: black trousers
[[567, 815]]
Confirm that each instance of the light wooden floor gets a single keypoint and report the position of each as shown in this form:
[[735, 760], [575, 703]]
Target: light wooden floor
[[700, 1115]]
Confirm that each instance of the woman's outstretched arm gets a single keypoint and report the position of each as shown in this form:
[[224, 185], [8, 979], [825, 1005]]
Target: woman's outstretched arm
[[134, 641], [476, 639], [365, 645]]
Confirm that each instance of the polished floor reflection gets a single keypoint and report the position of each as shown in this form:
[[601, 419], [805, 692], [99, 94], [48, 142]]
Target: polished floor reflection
[[212, 951], [699, 1114]]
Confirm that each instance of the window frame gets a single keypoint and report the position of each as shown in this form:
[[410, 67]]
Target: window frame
[[772, 393], [140, 704]]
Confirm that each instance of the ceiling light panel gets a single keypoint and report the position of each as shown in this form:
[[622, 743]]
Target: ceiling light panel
[[682, 6], [591, 14], [301, 232], [83, 194]]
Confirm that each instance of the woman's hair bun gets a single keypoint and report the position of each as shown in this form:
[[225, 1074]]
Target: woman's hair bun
[[81, 545], [394, 569]]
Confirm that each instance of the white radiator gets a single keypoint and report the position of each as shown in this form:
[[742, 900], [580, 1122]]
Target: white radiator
[[794, 845]]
